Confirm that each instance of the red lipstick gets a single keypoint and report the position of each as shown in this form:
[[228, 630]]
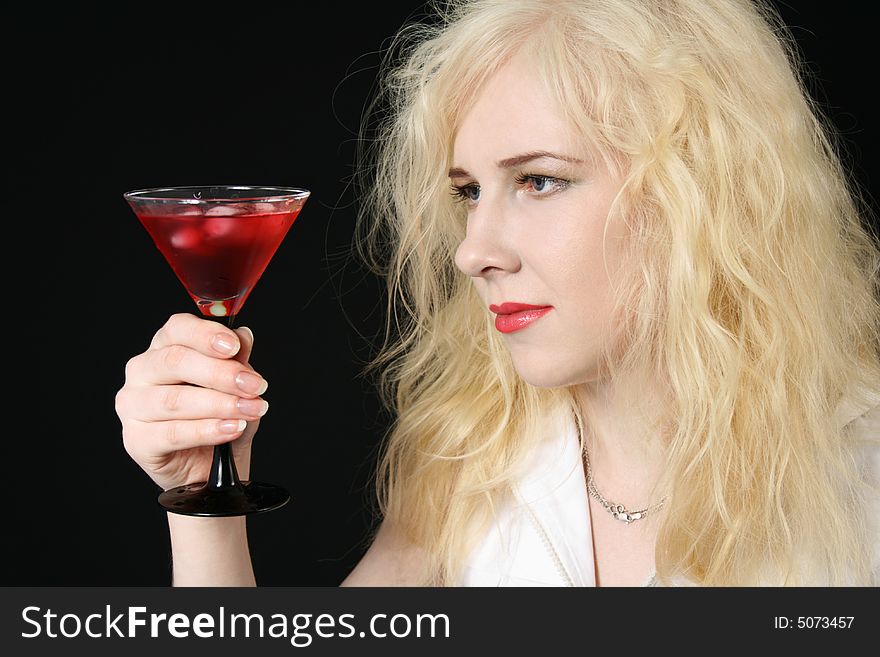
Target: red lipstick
[[512, 317]]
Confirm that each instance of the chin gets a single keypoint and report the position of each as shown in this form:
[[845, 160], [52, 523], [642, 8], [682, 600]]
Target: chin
[[549, 378], [553, 372]]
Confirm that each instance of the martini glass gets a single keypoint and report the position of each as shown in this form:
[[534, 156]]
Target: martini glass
[[219, 240]]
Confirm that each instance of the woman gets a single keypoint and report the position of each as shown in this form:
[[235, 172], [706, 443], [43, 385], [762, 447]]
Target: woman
[[637, 343]]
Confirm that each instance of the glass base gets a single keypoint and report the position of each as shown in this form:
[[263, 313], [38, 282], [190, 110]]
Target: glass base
[[200, 500]]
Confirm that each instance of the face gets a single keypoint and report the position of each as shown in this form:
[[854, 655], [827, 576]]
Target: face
[[536, 210]]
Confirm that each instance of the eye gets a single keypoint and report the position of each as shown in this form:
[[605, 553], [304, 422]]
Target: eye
[[541, 185], [469, 193]]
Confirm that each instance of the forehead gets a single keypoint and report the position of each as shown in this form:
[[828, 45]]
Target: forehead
[[513, 112]]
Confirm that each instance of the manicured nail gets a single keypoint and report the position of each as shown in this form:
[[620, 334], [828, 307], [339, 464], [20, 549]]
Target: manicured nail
[[249, 332], [252, 407], [251, 383], [232, 426], [224, 344]]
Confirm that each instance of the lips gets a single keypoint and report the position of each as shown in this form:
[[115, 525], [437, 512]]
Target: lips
[[509, 308], [512, 316]]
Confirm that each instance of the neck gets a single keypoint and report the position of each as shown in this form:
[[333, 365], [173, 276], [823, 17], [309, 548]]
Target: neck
[[625, 442]]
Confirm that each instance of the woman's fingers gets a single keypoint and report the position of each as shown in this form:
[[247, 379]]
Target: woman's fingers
[[192, 388], [246, 337], [145, 440], [202, 335], [181, 402], [176, 363]]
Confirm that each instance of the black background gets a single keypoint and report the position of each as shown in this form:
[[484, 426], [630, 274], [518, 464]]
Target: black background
[[108, 100]]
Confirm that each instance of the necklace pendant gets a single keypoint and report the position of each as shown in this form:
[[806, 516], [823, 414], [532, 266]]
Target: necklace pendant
[[621, 513], [618, 511]]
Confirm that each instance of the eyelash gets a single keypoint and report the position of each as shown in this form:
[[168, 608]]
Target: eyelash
[[460, 192]]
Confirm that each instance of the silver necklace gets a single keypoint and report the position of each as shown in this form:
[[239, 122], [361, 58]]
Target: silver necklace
[[619, 511]]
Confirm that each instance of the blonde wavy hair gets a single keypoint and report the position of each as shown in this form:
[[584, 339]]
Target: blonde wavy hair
[[753, 290]]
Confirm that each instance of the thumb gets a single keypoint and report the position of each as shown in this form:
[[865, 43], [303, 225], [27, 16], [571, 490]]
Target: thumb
[[247, 344]]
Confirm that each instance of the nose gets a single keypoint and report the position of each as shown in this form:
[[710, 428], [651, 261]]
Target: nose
[[489, 244]]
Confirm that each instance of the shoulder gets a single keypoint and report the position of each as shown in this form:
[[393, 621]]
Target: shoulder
[[391, 560]]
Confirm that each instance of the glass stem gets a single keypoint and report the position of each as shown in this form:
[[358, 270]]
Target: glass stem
[[223, 471]]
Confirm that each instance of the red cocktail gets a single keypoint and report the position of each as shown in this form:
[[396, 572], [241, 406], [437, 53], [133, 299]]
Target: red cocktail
[[218, 252], [219, 240]]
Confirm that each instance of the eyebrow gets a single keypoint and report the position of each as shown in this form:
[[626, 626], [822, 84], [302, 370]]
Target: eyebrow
[[517, 160]]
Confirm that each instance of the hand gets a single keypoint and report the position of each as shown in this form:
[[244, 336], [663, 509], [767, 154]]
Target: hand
[[192, 389]]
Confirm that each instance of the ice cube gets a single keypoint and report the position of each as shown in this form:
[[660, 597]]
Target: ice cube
[[224, 211], [265, 208], [188, 211], [224, 218], [218, 227], [186, 238]]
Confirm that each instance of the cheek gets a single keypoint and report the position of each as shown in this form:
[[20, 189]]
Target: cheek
[[583, 285], [574, 260]]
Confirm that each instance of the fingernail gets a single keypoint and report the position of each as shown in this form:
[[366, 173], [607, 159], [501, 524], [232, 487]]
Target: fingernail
[[232, 426], [249, 332], [224, 344], [252, 407], [251, 383]]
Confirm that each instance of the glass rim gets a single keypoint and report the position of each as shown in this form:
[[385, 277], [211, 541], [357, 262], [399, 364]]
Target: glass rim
[[264, 194]]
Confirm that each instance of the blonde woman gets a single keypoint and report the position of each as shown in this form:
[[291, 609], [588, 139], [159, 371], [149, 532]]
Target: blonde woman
[[634, 332]]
